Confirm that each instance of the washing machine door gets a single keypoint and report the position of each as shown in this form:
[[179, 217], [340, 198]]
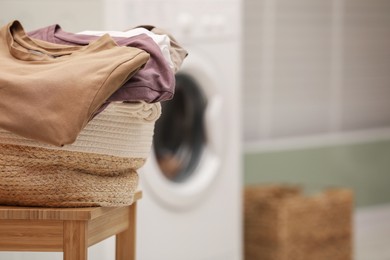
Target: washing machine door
[[187, 142]]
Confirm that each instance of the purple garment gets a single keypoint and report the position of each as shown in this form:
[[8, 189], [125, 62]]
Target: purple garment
[[154, 82]]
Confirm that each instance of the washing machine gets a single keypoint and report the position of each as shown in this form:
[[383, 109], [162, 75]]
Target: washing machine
[[191, 206]]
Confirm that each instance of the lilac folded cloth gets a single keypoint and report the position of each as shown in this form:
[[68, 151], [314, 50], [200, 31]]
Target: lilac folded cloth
[[154, 82]]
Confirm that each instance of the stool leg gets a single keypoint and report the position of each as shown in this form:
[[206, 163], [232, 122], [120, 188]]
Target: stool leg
[[75, 240], [125, 241]]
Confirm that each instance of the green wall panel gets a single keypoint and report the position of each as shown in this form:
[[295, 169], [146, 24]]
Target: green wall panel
[[365, 168]]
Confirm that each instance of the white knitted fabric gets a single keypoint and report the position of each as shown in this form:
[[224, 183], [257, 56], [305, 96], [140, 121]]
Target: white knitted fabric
[[121, 129]]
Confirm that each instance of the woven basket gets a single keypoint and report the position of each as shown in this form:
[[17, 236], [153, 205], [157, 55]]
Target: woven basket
[[282, 224], [98, 169]]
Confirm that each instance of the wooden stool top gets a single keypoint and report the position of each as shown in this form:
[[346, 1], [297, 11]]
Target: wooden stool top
[[37, 213]]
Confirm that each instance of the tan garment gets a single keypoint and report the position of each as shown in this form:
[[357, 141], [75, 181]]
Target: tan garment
[[49, 92]]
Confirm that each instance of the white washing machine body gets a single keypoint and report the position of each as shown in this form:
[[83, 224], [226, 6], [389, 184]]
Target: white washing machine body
[[198, 216]]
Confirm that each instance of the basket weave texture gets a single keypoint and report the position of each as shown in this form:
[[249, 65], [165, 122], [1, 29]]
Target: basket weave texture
[[99, 169], [280, 223]]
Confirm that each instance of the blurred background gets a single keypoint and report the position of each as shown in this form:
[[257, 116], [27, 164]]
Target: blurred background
[[306, 84], [316, 103]]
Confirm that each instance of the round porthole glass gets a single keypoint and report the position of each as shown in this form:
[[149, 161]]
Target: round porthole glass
[[180, 133]]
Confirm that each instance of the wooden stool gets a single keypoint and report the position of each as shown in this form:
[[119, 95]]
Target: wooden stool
[[68, 230]]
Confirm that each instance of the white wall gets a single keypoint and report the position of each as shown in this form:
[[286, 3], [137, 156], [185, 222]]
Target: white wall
[[72, 15], [315, 67]]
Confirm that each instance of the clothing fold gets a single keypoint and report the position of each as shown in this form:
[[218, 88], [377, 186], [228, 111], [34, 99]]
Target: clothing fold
[[49, 92], [155, 82]]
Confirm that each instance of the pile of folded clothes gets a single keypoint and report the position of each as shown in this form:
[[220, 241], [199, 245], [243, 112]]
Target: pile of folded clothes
[[77, 112]]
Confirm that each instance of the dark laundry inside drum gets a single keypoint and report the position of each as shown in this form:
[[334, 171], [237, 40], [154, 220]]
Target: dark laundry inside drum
[[180, 133]]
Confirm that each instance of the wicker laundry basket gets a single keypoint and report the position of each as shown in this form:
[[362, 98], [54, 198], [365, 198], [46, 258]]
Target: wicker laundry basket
[[282, 224], [98, 169]]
